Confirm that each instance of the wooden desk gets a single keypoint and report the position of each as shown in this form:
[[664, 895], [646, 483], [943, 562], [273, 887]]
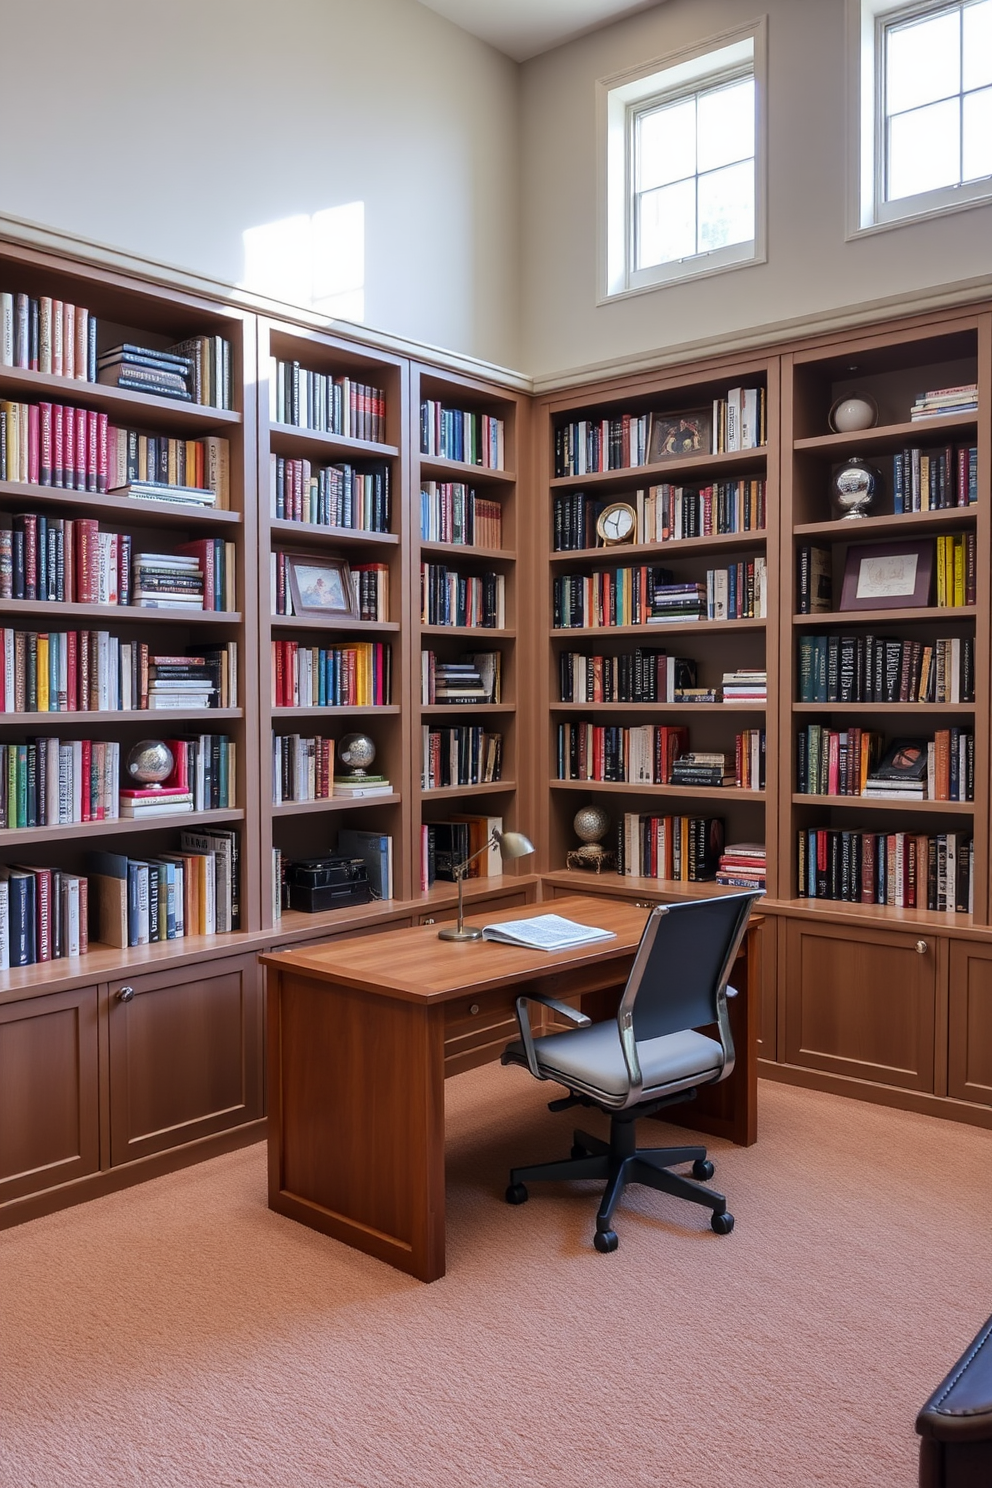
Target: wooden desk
[[361, 1035]]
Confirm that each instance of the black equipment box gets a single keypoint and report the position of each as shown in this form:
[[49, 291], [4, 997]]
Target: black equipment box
[[316, 884]]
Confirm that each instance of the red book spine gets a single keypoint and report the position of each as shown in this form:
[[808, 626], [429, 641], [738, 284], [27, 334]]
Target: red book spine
[[280, 675], [69, 448], [72, 672], [84, 907], [79, 454], [86, 768], [92, 447], [34, 443], [45, 444], [102, 451], [58, 445]]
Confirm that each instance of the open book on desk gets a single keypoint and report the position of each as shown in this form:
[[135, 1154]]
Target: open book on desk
[[548, 932]]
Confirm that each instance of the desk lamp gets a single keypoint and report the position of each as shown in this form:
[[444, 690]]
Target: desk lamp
[[511, 845]]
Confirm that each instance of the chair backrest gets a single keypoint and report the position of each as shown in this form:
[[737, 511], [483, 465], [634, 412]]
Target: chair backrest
[[682, 965]]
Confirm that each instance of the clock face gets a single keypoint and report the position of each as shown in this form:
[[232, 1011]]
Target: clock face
[[616, 523]]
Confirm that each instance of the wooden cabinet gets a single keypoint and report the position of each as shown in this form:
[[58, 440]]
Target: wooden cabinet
[[185, 1055], [861, 1006], [969, 1047], [49, 1113]]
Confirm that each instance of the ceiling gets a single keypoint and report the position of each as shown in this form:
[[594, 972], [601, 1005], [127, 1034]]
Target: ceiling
[[523, 28]]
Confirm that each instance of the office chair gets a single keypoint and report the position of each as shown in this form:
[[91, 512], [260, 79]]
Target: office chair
[[648, 1057]]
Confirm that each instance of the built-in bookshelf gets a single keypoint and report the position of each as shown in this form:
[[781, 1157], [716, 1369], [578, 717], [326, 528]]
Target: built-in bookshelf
[[651, 637]]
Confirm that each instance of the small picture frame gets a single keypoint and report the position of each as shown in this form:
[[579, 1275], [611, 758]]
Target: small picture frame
[[675, 436], [320, 586], [888, 576]]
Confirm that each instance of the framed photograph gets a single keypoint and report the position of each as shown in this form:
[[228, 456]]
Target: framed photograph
[[675, 435], [888, 576], [320, 586]]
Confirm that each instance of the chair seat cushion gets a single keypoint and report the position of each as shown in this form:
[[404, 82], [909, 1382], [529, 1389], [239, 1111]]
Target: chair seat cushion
[[592, 1057]]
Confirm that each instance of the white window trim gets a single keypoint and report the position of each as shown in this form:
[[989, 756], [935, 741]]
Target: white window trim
[[615, 276], [867, 211]]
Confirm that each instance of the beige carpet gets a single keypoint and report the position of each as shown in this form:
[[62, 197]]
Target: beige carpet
[[180, 1335]]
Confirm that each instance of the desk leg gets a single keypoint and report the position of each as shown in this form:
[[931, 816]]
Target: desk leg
[[356, 1133]]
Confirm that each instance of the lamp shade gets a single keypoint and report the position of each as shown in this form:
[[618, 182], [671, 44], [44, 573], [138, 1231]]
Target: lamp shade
[[513, 844]]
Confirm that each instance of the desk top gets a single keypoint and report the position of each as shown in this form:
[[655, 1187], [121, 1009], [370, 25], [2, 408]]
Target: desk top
[[415, 966]]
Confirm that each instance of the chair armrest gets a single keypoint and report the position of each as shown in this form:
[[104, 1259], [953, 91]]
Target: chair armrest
[[523, 1023], [731, 991]]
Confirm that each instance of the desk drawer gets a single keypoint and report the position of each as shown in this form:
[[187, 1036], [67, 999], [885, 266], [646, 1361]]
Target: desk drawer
[[477, 1029]]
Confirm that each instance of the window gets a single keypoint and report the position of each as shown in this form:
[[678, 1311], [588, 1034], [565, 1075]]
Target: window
[[684, 167], [926, 109]]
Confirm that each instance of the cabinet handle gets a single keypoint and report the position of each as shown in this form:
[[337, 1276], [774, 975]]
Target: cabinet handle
[[428, 920], [921, 948], [643, 904], [473, 1008], [125, 994]]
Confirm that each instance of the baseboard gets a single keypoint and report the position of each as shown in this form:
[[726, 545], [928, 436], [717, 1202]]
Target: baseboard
[[942, 1106]]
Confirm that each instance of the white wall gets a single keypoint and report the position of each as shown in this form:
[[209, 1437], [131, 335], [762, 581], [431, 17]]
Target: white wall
[[810, 268], [168, 129]]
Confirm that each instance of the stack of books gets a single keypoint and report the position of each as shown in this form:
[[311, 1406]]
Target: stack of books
[[901, 774], [144, 370], [473, 679], [743, 865], [941, 402], [746, 685], [674, 603], [359, 786], [702, 768], [180, 682], [152, 801], [166, 581], [162, 491]]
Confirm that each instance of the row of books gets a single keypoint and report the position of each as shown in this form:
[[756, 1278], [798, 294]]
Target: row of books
[[743, 865], [856, 762], [302, 768], [606, 597], [328, 404], [905, 870], [885, 669], [369, 586], [204, 769], [953, 584], [340, 495], [457, 434], [663, 513], [355, 675], [626, 441], [466, 754], [444, 845], [90, 671], [645, 675], [77, 449], [953, 401], [957, 565], [42, 334], [211, 374], [474, 677], [450, 598], [44, 914], [684, 848], [451, 512], [656, 754], [740, 420], [737, 592], [193, 891], [143, 369], [934, 479]]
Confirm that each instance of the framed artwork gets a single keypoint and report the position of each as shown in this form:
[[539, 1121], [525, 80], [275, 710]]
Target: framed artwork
[[320, 586], [679, 434], [888, 576]]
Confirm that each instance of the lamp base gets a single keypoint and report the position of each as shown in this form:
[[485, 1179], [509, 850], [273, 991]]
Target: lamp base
[[453, 933]]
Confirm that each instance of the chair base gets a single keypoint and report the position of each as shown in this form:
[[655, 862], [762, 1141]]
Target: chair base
[[620, 1162]]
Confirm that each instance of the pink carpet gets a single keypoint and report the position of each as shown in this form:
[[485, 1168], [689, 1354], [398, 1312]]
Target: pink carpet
[[179, 1335]]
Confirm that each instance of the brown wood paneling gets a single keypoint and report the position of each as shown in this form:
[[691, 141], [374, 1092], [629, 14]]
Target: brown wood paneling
[[185, 1056], [862, 1008], [969, 1053], [49, 1126]]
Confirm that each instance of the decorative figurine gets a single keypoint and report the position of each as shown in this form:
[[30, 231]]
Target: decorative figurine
[[591, 823], [149, 763], [356, 752], [853, 412], [854, 487]]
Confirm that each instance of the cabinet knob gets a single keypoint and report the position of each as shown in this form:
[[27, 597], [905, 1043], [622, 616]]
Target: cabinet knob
[[473, 1008], [428, 920], [921, 947], [125, 994], [642, 904]]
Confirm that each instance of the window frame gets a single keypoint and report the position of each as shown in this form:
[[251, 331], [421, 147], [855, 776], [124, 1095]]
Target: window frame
[[869, 212], [620, 98]]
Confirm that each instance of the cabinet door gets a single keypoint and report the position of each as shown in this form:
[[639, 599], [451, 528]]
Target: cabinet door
[[185, 1055], [49, 1111], [969, 1049], [860, 1003]]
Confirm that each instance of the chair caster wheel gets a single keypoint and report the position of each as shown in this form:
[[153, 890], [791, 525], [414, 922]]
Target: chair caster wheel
[[722, 1223], [578, 1150], [605, 1241], [703, 1169], [516, 1194]]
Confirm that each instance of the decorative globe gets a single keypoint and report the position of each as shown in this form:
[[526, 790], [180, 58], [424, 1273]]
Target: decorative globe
[[853, 413], [590, 823], [356, 752], [854, 487], [149, 762]]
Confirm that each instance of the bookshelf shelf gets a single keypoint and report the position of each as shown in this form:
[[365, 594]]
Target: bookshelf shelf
[[286, 715], [334, 803], [919, 431], [924, 615], [125, 406], [688, 469], [484, 788], [33, 608], [694, 627], [291, 439], [646, 788], [672, 548], [342, 624], [121, 509], [652, 710], [16, 837], [950, 519], [888, 710], [312, 533], [434, 467], [881, 803], [452, 551], [77, 718]]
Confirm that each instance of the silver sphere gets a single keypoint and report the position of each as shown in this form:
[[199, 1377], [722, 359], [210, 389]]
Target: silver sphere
[[590, 823], [356, 752], [150, 761]]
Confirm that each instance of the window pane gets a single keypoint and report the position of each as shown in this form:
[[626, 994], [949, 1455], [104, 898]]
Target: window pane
[[977, 48], [726, 125], [666, 224], [924, 149], [726, 206], [666, 145], [977, 148], [923, 62]]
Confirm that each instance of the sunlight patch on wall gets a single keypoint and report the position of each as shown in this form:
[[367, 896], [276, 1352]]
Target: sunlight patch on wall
[[317, 261]]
